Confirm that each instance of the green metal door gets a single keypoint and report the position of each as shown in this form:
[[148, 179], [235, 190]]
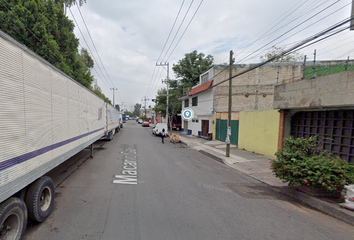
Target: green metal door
[[234, 132], [221, 130]]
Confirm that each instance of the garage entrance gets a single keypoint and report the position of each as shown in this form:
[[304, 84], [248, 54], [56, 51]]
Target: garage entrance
[[335, 130]]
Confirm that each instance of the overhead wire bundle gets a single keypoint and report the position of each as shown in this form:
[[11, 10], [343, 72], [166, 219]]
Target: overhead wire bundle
[[156, 77]]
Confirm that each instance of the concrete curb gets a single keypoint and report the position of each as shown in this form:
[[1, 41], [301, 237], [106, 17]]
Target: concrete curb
[[331, 209]]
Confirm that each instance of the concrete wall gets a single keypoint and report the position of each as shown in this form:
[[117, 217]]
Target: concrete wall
[[259, 131], [335, 90], [253, 91]]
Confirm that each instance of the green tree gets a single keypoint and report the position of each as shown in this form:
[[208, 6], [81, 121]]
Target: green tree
[[191, 66], [160, 107], [277, 51], [97, 90], [136, 111], [128, 113], [69, 3], [44, 28]]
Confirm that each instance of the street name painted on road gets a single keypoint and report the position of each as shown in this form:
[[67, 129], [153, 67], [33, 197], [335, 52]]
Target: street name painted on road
[[129, 173]]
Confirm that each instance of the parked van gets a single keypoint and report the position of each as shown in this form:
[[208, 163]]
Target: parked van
[[157, 130]]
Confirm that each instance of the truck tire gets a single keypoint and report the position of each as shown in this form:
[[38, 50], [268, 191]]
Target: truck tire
[[40, 199], [13, 219]]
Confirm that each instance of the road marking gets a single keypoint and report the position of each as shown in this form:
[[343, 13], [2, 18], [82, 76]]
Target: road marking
[[129, 174]]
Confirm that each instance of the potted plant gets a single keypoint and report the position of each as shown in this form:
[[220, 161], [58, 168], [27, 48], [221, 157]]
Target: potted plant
[[316, 172]]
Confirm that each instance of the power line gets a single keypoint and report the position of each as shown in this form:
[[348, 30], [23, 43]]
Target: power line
[[185, 30], [93, 43], [289, 30], [171, 31], [177, 30], [277, 23], [311, 25], [294, 48], [165, 45], [87, 45]]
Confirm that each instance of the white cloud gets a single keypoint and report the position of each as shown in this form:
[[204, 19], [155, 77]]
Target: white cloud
[[129, 35]]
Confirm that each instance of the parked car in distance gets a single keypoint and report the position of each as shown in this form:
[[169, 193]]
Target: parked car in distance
[[140, 121], [145, 124], [176, 126], [157, 130]]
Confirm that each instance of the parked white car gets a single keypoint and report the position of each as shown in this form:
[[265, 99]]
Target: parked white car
[[157, 130]]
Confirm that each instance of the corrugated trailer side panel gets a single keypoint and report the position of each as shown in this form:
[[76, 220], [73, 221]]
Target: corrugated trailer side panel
[[112, 117], [45, 117]]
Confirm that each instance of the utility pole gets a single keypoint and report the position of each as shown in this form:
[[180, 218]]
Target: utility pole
[[145, 99], [166, 81], [230, 106], [113, 95], [352, 22]]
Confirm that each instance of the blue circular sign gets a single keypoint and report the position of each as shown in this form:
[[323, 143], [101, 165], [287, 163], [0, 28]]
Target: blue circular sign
[[187, 114]]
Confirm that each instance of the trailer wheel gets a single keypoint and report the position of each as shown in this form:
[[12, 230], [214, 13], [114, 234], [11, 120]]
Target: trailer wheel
[[13, 219], [40, 199]]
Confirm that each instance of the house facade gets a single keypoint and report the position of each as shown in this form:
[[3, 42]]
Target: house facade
[[254, 122], [200, 101], [321, 104], [273, 101]]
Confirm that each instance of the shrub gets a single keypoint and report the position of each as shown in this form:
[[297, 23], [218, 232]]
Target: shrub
[[300, 163]]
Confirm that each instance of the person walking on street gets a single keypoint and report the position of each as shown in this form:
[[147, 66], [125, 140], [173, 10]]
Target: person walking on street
[[163, 135]]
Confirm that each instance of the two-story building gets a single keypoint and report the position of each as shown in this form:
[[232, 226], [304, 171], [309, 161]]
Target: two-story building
[[200, 100], [257, 124]]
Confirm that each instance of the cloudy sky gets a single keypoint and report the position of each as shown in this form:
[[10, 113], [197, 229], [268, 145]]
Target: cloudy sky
[[131, 36]]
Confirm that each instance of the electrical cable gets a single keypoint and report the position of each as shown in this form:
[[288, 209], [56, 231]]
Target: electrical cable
[[185, 30], [290, 30], [302, 43], [94, 45], [177, 31], [278, 22], [279, 28], [298, 25], [165, 46], [287, 23], [309, 25], [88, 46]]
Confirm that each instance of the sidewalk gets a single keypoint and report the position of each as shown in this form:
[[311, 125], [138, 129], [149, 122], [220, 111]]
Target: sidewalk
[[258, 167]]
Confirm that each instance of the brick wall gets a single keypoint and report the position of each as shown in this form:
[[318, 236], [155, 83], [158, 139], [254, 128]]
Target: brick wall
[[253, 91]]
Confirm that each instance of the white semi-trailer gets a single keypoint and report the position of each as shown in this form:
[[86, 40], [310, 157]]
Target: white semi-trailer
[[112, 124], [45, 118]]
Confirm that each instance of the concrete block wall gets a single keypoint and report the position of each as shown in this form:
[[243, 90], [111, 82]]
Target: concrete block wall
[[254, 90], [335, 90]]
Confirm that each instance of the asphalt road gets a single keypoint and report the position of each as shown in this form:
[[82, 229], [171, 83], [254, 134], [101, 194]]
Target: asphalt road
[[135, 187]]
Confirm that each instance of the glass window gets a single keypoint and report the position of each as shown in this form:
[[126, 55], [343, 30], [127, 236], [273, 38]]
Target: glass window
[[195, 101], [205, 78], [186, 103]]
